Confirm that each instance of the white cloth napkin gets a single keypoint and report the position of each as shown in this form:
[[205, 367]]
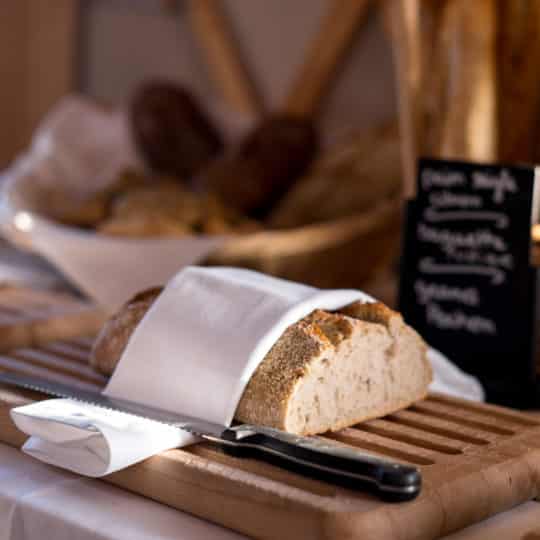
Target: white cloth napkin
[[194, 352]]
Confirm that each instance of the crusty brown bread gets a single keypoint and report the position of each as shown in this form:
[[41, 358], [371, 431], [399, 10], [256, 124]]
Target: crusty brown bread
[[114, 335], [352, 176], [265, 165], [326, 372], [331, 370]]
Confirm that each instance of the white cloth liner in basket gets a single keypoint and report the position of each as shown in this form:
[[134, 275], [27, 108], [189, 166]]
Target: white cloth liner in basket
[[193, 352], [82, 148]]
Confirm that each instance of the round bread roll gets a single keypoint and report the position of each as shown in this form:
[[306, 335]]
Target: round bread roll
[[162, 199], [171, 131], [265, 165], [144, 226]]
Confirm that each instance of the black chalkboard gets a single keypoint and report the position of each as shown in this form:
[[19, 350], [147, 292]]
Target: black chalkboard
[[466, 282]]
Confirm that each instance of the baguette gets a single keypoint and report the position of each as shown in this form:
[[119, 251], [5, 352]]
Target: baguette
[[326, 372], [352, 176]]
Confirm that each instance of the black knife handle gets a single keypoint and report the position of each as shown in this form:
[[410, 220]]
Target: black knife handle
[[324, 460]]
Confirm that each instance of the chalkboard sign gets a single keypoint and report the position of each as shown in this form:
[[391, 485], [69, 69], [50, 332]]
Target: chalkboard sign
[[466, 283]]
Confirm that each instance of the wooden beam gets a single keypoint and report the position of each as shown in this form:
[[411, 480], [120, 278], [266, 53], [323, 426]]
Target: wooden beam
[[469, 117], [518, 55], [402, 18], [325, 55], [37, 48], [222, 55]]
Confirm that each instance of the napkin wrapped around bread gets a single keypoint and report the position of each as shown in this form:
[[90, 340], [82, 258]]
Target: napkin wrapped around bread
[[328, 371]]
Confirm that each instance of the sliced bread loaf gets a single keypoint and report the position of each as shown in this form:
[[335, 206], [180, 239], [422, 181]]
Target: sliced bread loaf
[[326, 372]]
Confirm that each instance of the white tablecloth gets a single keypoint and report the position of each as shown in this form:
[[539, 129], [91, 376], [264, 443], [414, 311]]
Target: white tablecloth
[[40, 502]]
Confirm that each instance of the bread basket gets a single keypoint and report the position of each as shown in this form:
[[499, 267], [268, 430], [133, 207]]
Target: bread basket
[[347, 252], [343, 252]]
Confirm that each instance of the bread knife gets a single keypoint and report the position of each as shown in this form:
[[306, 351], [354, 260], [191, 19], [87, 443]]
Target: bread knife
[[316, 457]]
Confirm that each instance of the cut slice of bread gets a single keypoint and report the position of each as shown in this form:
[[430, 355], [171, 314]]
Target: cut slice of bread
[[326, 372]]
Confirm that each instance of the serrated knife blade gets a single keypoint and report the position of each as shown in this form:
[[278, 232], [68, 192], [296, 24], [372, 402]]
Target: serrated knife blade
[[195, 426], [314, 456]]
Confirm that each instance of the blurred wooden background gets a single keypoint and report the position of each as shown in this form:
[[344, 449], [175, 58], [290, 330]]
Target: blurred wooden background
[[37, 52], [466, 72], [106, 47]]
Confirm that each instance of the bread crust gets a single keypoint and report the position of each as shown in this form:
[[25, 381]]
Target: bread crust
[[112, 340], [266, 397]]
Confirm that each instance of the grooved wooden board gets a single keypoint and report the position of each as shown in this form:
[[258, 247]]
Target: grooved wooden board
[[30, 317], [476, 460]]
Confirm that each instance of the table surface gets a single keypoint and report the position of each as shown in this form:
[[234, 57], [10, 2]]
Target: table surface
[[35, 497]]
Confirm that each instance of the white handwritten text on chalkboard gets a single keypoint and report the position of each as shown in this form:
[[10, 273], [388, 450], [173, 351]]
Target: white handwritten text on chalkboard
[[466, 281], [479, 250]]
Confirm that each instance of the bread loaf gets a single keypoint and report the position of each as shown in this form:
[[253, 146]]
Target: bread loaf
[[326, 372], [265, 165], [171, 131], [352, 176]]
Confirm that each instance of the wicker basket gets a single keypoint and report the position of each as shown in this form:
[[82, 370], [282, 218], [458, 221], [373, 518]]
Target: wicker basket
[[344, 253]]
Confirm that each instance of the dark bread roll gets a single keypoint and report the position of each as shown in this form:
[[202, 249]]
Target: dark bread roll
[[171, 132], [115, 334], [266, 164]]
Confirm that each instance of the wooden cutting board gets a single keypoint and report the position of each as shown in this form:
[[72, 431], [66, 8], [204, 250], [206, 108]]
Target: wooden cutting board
[[476, 460], [30, 317]]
